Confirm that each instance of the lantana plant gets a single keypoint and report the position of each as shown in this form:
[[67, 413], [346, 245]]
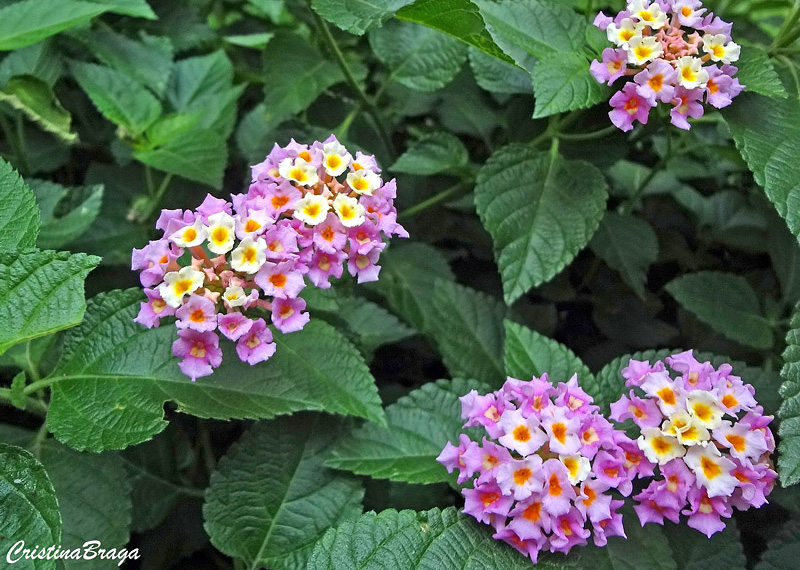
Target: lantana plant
[[228, 265], [678, 54]]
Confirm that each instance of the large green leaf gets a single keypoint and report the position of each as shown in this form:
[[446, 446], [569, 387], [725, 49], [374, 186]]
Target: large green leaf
[[418, 427], [27, 22], [498, 76], [122, 100], [36, 99], [692, 551], [42, 60], [134, 8], [540, 209], [458, 18], [418, 57], [408, 540], [41, 292], [199, 155], [66, 214], [94, 498], [627, 244], [770, 144], [562, 82], [530, 29], [783, 550], [407, 277], [29, 508], [432, 154], [467, 326], [527, 354], [789, 412], [357, 16], [757, 73], [271, 498], [725, 302], [19, 216], [113, 379]]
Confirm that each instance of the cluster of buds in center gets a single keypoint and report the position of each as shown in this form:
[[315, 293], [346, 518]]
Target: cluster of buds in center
[[659, 43], [708, 436], [226, 267], [545, 473]]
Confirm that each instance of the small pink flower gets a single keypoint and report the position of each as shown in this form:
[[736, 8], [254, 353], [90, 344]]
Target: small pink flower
[[612, 66], [233, 325], [686, 104], [200, 352], [198, 313], [155, 309], [628, 107], [256, 344], [287, 314]]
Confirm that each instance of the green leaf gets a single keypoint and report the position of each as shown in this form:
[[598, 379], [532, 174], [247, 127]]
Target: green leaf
[[18, 398], [541, 211], [255, 41], [530, 29], [41, 292], [36, 99], [134, 370], [134, 8], [562, 82], [94, 497], [120, 99], [458, 18], [408, 540], [278, 529], [199, 155], [205, 84], [419, 57], [467, 326], [30, 507], [149, 61], [434, 153], [725, 302], [783, 550], [294, 78], [785, 254], [358, 16], [692, 551], [418, 427], [789, 412], [757, 73], [498, 76], [527, 354], [19, 216], [628, 245], [77, 209], [407, 277], [42, 60], [770, 143], [27, 22]]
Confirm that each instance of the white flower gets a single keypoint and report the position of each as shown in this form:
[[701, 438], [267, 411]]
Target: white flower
[[250, 255], [220, 230], [658, 447], [704, 406], [660, 386], [577, 466], [713, 471], [312, 209], [179, 283], [625, 32], [190, 236], [652, 15], [520, 434], [691, 73], [350, 212], [298, 170], [234, 296], [641, 50], [520, 477], [363, 181], [715, 46], [335, 158]]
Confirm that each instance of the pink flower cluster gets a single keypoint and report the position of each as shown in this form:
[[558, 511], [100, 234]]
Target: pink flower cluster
[[227, 267], [707, 435], [659, 44], [546, 470]]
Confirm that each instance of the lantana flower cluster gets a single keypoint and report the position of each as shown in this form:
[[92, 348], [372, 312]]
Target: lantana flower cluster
[[707, 435], [678, 54], [229, 266], [547, 468]]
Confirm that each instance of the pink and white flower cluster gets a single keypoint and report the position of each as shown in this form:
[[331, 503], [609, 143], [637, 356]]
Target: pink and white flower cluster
[[228, 266], [707, 435], [659, 43], [547, 468]]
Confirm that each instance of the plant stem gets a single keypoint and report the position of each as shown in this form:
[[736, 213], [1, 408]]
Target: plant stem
[[148, 179], [36, 444], [432, 201], [368, 104], [34, 387], [32, 405], [786, 35], [628, 206], [588, 136]]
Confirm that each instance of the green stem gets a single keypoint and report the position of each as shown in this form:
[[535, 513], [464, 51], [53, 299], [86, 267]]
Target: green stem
[[36, 444], [588, 136], [148, 179], [432, 201], [34, 387], [368, 104], [628, 206], [32, 405], [589, 8], [31, 369], [786, 34]]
